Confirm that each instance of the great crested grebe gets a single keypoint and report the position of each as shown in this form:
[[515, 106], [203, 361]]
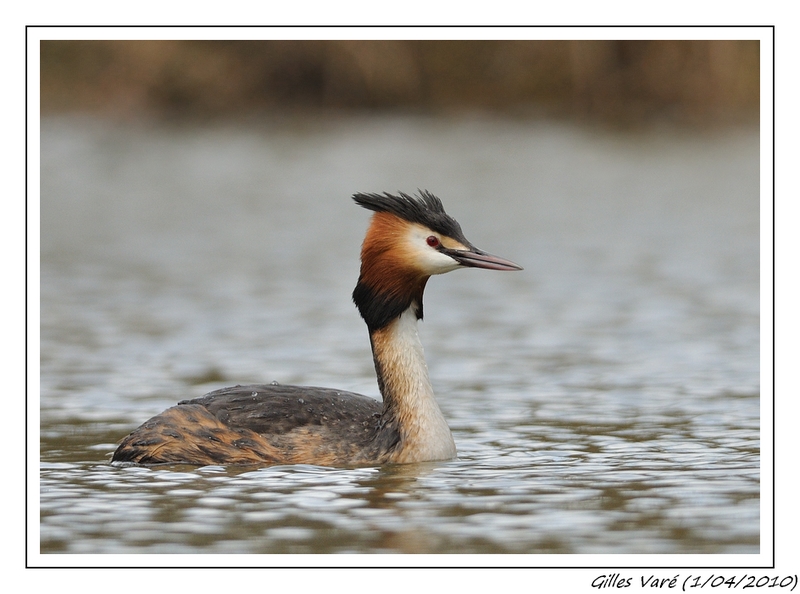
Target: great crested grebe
[[409, 239]]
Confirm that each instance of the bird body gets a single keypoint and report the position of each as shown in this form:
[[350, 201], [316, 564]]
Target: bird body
[[409, 239]]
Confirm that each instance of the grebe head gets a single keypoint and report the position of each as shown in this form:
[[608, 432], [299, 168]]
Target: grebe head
[[409, 239]]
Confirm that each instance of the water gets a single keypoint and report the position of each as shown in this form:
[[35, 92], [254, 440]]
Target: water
[[604, 400]]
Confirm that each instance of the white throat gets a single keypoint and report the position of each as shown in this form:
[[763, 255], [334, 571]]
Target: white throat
[[426, 435]]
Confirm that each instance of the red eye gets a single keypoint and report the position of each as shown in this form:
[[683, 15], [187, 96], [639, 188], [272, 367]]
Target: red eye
[[433, 241]]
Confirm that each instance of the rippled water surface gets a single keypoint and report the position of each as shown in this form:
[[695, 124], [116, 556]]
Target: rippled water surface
[[604, 400]]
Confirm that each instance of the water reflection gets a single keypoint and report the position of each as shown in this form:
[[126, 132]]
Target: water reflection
[[577, 488]]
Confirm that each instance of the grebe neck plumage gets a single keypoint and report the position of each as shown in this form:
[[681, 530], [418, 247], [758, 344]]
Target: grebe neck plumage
[[408, 240], [408, 400]]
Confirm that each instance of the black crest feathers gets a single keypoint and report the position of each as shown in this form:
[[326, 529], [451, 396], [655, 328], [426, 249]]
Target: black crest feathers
[[425, 209]]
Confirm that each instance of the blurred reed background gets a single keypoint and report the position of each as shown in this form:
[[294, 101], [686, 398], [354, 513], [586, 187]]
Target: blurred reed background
[[618, 82]]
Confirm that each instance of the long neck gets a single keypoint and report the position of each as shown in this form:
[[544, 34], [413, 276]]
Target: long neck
[[407, 393]]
